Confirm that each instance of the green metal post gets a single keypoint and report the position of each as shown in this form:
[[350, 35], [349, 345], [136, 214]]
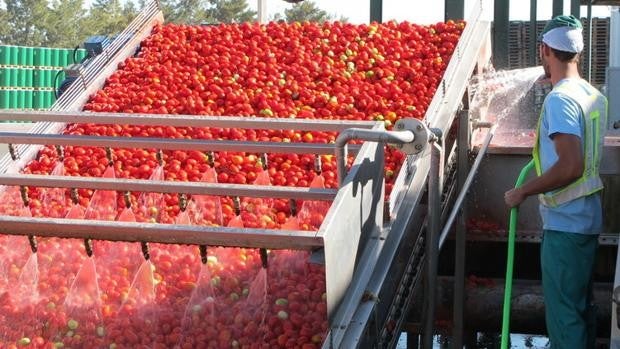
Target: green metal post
[[454, 9], [575, 8], [533, 32], [500, 33], [376, 11], [558, 7]]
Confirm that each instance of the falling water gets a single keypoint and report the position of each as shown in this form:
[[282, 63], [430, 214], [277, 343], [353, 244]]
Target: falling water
[[511, 99], [201, 306]]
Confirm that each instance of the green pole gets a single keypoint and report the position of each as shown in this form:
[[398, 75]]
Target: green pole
[[512, 227], [575, 8], [501, 27], [376, 11], [454, 9], [558, 7], [533, 43]]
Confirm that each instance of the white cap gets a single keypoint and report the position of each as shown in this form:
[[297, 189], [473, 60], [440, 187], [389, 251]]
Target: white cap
[[568, 39]]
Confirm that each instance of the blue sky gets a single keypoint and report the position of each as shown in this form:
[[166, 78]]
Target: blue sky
[[420, 11]]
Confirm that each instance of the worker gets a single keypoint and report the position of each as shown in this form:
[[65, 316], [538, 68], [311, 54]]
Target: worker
[[567, 154]]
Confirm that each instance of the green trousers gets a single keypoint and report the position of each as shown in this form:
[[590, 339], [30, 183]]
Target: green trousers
[[567, 262]]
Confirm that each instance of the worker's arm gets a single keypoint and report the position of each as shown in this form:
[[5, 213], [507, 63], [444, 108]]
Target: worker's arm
[[565, 171]]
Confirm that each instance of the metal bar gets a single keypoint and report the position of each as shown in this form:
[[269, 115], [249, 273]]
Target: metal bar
[[575, 8], [454, 9], [262, 11], [195, 188], [169, 144], [589, 48], [614, 37], [533, 31], [184, 120], [434, 214], [396, 231], [463, 193], [558, 7], [159, 233], [472, 49], [500, 35], [376, 11], [459, 258], [382, 136]]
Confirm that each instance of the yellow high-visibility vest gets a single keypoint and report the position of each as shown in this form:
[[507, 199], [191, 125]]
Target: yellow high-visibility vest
[[593, 106]]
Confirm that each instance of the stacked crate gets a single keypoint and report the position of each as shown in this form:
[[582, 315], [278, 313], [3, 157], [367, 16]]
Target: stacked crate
[[29, 75], [540, 25], [516, 53], [520, 53], [600, 49]]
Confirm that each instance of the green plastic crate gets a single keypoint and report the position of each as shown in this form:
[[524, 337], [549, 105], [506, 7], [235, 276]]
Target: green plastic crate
[[22, 77], [63, 58], [13, 99], [38, 99], [5, 77], [28, 82], [50, 98], [42, 57], [55, 57], [48, 57], [4, 99], [13, 78], [42, 78], [28, 99], [22, 58], [29, 53], [43, 99], [21, 99], [14, 55], [5, 55], [37, 56]]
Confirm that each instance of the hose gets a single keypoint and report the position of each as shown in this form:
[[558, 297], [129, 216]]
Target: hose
[[512, 227], [75, 54], [56, 84]]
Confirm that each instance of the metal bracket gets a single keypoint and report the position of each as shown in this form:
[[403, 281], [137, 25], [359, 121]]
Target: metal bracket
[[421, 135]]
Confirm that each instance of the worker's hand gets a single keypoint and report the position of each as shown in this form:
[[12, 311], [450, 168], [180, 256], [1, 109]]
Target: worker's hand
[[514, 197]]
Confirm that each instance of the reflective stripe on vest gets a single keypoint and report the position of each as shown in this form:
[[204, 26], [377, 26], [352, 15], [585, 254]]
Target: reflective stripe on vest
[[594, 113]]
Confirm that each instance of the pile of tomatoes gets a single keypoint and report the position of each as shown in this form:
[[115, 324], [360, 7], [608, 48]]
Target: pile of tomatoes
[[379, 72]]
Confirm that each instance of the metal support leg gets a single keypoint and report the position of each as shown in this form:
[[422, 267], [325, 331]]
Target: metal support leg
[[454, 9], [432, 241], [533, 32], [589, 45], [500, 33], [558, 7], [459, 258], [575, 8], [376, 11], [413, 340]]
